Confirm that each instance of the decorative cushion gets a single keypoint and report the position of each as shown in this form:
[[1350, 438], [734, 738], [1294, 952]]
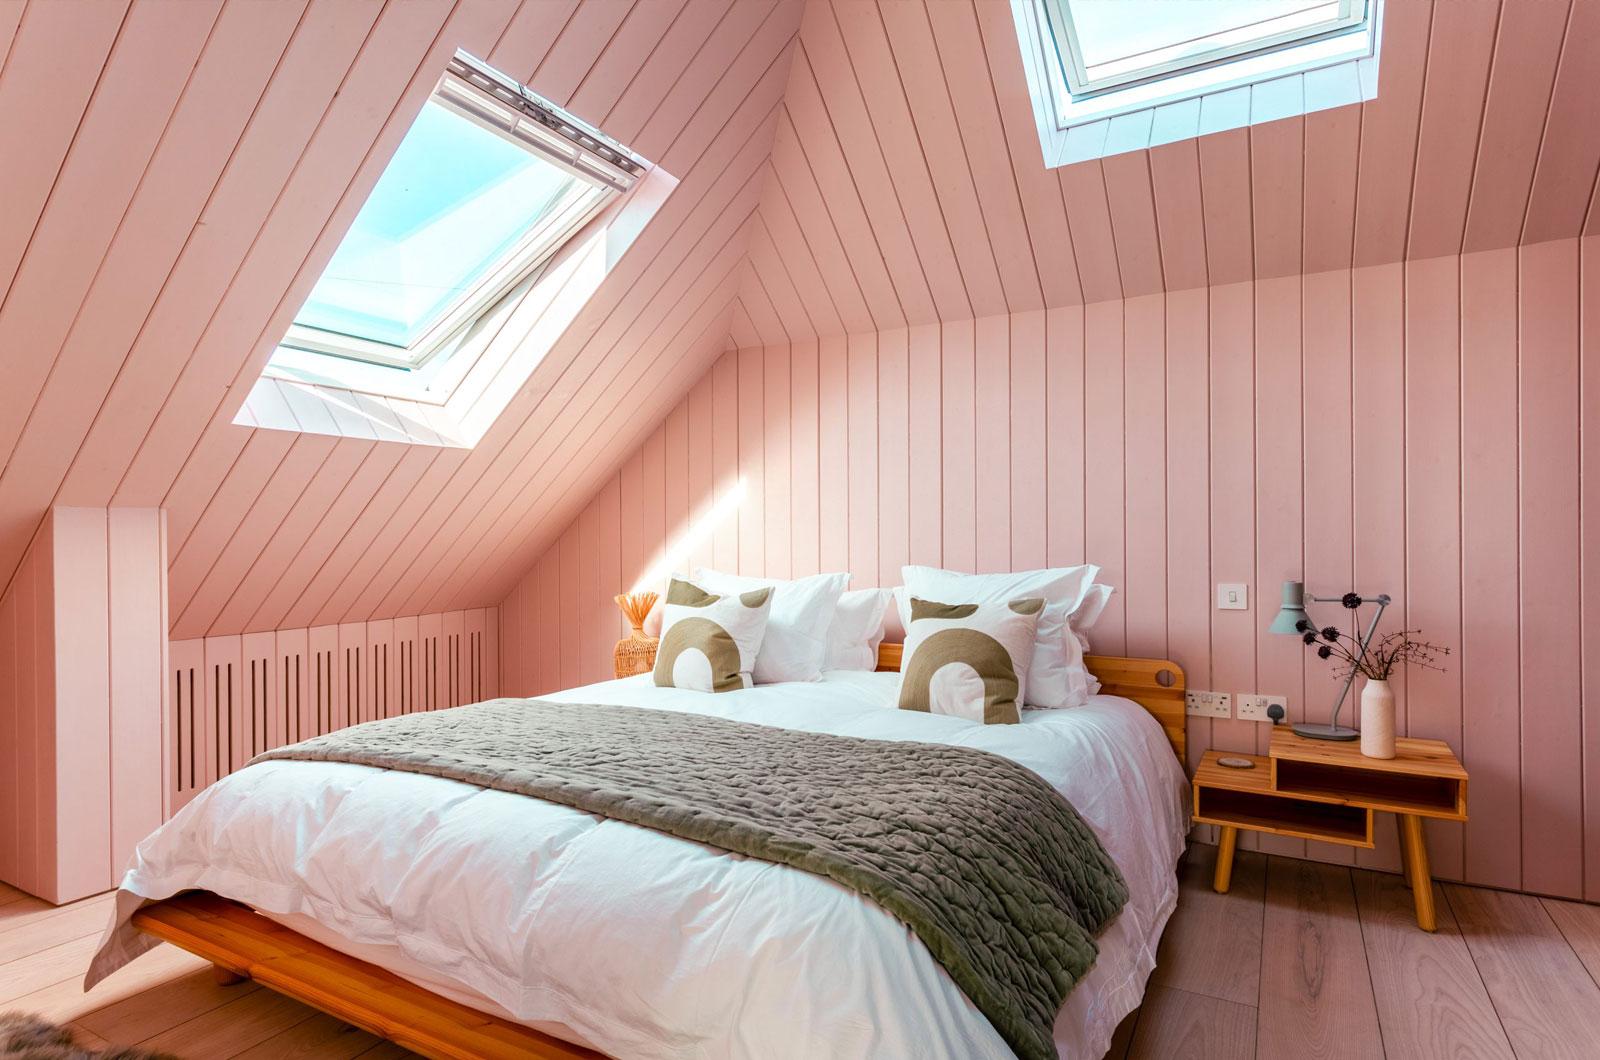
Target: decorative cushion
[[969, 660], [1057, 677], [709, 643], [857, 630], [796, 640]]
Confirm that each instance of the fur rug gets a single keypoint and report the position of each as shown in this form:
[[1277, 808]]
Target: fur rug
[[24, 1037]]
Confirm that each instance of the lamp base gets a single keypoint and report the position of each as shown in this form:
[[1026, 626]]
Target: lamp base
[[1326, 732]]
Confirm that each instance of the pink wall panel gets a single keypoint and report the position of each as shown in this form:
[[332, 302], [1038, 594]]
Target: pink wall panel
[[1410, 429]]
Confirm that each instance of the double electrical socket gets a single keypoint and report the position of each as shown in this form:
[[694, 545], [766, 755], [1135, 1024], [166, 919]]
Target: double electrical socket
[[1252, 707], [1208, 704]]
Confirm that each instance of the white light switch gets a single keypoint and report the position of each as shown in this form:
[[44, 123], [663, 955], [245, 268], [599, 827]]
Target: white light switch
[[1233, 596]]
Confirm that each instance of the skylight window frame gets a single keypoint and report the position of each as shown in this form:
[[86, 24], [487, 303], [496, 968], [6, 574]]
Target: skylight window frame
[[1353, 16], [604, 172]]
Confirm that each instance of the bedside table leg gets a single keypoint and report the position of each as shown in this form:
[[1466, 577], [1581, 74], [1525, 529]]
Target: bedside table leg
[[1227, 838], [1414, 851]]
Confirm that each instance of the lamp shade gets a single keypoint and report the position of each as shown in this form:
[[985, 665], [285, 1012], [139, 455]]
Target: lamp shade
[[1293, 611]]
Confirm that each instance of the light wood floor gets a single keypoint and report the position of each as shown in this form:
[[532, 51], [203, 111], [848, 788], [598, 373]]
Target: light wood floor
[[1300, 960]]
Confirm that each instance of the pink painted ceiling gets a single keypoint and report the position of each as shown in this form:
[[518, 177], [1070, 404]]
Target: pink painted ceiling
[[907, 184], [186, 170]]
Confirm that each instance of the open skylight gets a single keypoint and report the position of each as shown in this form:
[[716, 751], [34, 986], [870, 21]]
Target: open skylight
[[488, 184], [1108, 76]]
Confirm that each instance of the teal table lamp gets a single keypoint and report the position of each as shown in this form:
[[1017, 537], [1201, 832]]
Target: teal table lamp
[[1292, 619]]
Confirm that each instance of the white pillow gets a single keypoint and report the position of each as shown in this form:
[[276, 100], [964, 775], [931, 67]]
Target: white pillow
[[1081, 621], [969, 660], [796, 642], [857, 630], [1057, 677], [708, 642]]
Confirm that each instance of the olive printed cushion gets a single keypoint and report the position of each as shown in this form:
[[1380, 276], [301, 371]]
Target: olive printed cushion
[[708, 642], [969, 660]]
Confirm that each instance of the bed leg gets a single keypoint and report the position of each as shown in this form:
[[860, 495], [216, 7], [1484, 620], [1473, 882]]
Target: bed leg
[[226, 976]]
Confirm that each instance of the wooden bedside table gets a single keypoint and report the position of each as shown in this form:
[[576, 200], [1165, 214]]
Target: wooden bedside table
[[1321, 789]]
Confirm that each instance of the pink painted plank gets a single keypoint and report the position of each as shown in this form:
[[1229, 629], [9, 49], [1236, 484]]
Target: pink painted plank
[[185, 692], [609, 622], [776, 479], [959, 446], [1180, 213], [833, 457], [631, 530], [862, 459], [862, 29], [1277, 159], [10, 746], [431, 661], [1459, 51], [1188, 499], [1489, 659], [1432, 450], [586, 615], [609, 68], [292, 675], [1105, 469], [452, 627], [258, 692], [1552, 734], [1333, 140], [1130, 196], [697, 20], [894, 455], [1589, 558], [355, 697], [137, 651], [35, 588], [1051, 239], [777, 218], [1569, 155], [829, 165], [1030, 428], [1526, 52], [546, 649], [770, 270], [823, 49], [1225, 193], [1144, 593], [1083, 195], [934, 118], [491, 652], [752, 514], [992, 442], [725, 458], [702, 488], [1279, 495], [583, 37], [1065, 442], [1377, 341], [80, 844], [530, 35], [959, 55], [1327, 469], [924, 481], [1232, 501], [805, 459], [1389, 136], [57, 40]]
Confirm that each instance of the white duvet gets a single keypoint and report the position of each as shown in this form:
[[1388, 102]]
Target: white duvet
[[644, 945]]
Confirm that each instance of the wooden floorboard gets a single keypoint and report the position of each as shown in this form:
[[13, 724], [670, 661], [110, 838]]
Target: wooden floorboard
[[1300, 959], [1215, 931], [1431, 1000], [1543, 994], [1316, 991]]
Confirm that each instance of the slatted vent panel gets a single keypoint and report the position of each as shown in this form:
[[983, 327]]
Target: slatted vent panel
[[231, 698]]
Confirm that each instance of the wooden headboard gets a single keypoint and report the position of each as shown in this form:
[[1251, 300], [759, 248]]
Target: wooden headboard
[[1154, 684]]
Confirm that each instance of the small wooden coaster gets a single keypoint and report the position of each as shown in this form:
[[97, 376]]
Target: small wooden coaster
[[1236, 763]]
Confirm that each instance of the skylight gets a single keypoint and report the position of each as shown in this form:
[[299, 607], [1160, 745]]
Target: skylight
[[1106, 44], [488, 184], [1108, 76]]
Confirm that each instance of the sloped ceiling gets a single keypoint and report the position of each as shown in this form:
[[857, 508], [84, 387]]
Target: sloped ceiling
[[175, 176], [186, 169], [907, 184]]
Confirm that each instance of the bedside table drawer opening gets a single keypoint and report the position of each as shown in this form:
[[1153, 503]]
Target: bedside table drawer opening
[[1350, 825], [1399, 792]]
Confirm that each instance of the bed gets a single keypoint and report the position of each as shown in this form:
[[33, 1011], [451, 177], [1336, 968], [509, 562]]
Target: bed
[[547, 931]]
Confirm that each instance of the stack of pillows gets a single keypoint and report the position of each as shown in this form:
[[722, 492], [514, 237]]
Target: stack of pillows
[[978, 646]]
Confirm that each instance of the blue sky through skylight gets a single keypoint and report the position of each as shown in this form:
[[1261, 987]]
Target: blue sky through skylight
[[454, 200]]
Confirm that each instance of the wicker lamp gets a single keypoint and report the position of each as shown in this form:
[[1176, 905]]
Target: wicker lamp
[[635, 653]]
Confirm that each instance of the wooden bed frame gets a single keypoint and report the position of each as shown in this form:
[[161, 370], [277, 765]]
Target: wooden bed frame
[[244, 944]]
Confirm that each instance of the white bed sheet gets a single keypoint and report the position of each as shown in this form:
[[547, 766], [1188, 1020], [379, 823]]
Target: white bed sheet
[[644, 945]]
